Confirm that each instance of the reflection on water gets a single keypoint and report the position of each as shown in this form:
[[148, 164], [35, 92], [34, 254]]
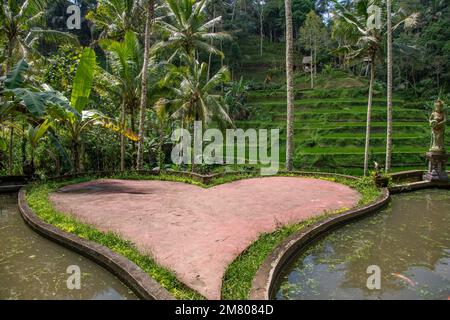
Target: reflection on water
[[409, 241], [32, 267]]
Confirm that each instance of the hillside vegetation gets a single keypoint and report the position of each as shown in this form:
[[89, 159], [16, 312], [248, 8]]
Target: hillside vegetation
[[330, 120]]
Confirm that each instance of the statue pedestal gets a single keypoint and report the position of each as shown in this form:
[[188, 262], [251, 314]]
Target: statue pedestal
[[436, 167]]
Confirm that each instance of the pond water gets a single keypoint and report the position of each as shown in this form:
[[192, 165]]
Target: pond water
[[32, 267], [409, 241]]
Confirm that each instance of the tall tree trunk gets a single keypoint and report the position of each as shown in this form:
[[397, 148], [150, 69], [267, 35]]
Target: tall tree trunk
[[261, 30], [311, 64], [315, 56], [210, 54], [133, 128], [9, 54], [11, 151], [369, 116], [32, 159], [389, 87], [233, 13], [24, 146], [76, 155], [148, 25], [290, 87], [122, 139]]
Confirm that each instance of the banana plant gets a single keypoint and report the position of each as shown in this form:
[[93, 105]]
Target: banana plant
[[22, 28], [74, 117], [35, 135], [19, 94]]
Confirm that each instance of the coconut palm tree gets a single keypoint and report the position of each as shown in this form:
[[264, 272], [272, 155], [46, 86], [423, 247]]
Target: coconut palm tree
[[290, 86], [194, 100], [125, 64], [367, 45], [185, 32], [185, 29], [21, 24], [125, 61], [409, 21], [114, 18]]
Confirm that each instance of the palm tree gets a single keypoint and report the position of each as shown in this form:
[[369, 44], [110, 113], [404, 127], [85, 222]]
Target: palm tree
[[186, 31], [117, 17], [194, 100], [125, 60], [148, 25], [290, 86], [409, 21], [367, 45], [389, 86], [21, 23], [367, 41]]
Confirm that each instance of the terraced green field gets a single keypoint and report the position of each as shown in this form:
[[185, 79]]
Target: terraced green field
[[330, 132]]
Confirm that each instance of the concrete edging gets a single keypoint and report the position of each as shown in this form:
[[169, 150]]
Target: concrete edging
[[420, 185], [270, 269], [128, 272]]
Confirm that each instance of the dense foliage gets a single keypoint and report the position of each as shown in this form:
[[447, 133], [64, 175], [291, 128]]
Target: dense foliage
[[72, 100]]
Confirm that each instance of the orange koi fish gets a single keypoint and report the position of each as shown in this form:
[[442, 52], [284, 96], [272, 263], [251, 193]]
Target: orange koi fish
[[404, 278]]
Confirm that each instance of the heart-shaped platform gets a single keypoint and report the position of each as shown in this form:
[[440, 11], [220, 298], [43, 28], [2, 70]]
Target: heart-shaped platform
[[198, 232]]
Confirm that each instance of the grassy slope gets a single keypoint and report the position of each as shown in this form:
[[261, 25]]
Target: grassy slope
[[330, 120]]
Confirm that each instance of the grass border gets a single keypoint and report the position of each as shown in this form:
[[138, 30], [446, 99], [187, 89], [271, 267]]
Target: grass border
[[236, 283]]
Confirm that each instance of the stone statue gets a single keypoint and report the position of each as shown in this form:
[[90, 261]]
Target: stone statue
[[437, 123], [437, 157]]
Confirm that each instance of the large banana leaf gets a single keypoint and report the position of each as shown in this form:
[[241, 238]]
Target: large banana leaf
[[57, 99], [82, 84], [61, 150], [32, 100], [14, 78], [35, 134]]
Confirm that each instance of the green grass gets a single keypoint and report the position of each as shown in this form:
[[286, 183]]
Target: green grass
[[239, 275], [357, 150], [317, 102]]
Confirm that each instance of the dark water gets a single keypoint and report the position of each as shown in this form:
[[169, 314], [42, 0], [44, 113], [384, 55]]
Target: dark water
[[409, 241], [32, 267]]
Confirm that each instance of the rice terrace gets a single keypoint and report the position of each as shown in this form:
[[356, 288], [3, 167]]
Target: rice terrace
[[241, 151]]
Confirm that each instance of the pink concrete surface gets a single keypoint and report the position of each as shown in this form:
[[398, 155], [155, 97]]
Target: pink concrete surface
[[198, 232]]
